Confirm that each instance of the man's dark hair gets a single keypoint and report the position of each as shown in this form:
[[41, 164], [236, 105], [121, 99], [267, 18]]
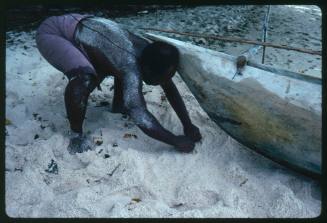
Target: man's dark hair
[[157, 58]]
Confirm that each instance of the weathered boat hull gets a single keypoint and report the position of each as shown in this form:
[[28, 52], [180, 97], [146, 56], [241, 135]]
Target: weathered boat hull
[[273, 114]]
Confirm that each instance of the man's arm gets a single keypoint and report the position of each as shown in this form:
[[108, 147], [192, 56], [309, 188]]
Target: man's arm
[[178, 105], [135, 104], [176, 102]]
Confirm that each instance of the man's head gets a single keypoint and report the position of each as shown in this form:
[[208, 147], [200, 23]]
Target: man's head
[[158, 62]]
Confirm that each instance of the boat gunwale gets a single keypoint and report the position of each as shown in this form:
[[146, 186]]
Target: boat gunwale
[[277, 71]]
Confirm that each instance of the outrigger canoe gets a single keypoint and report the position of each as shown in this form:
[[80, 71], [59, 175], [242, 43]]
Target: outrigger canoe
[[275, 112]]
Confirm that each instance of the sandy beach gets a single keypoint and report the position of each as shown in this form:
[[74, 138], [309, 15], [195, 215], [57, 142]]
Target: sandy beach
[[131, 175]]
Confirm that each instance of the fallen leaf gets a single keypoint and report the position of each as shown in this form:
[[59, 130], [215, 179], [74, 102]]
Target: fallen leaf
[[177, 205], [241, 184], [8, 122], [129, 135], [136, 200]]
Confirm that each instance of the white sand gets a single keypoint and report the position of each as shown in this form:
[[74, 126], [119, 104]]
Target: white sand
[[140, 177]]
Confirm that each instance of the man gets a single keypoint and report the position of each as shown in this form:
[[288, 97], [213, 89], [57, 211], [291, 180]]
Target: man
[[87, 49]]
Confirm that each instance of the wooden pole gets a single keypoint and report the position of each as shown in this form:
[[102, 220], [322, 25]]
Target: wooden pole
[[265, 28], [233, 39]]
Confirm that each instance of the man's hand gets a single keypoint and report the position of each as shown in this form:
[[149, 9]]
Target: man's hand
[[192, 132], [178, 105], [184, 144]]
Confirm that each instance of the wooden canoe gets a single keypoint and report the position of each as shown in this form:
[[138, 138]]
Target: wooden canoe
[[275, 112]]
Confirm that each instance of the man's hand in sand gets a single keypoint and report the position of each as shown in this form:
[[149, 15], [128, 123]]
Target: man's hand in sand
[[193, 133]]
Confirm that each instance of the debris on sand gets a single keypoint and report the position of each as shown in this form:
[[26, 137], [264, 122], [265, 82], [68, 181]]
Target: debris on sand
[[137, 200], [246, 180], [98, 140], [103, 104], [130, 135], [8, 122], [106, 156], [52, 167], [114, 170]]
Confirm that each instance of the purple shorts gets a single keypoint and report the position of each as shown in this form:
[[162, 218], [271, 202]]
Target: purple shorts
[[55, 41]]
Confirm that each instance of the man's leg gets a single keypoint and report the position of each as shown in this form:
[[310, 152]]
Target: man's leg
[[117, 101], [64, 56], [76, 95]]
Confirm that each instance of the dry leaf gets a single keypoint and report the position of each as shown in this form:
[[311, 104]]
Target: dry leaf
[[8, 122], [129, 135], [136, 200]]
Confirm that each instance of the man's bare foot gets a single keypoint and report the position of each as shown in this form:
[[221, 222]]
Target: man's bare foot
[[79, 143]]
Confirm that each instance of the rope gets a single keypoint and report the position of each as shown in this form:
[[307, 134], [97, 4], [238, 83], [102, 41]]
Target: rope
[[233, 39]]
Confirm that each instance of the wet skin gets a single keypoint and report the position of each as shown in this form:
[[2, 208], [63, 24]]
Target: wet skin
[[128, 97]]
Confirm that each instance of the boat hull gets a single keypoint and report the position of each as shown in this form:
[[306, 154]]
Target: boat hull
[[275, 115]]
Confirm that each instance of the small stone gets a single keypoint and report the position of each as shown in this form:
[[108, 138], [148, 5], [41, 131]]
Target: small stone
[[36, 136], [114, 145], [106, 156], [98, 140], [201, 41], [18, 169]]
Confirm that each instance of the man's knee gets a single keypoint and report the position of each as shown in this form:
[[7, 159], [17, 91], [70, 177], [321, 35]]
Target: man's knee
[[83, 80], [79, 87]]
